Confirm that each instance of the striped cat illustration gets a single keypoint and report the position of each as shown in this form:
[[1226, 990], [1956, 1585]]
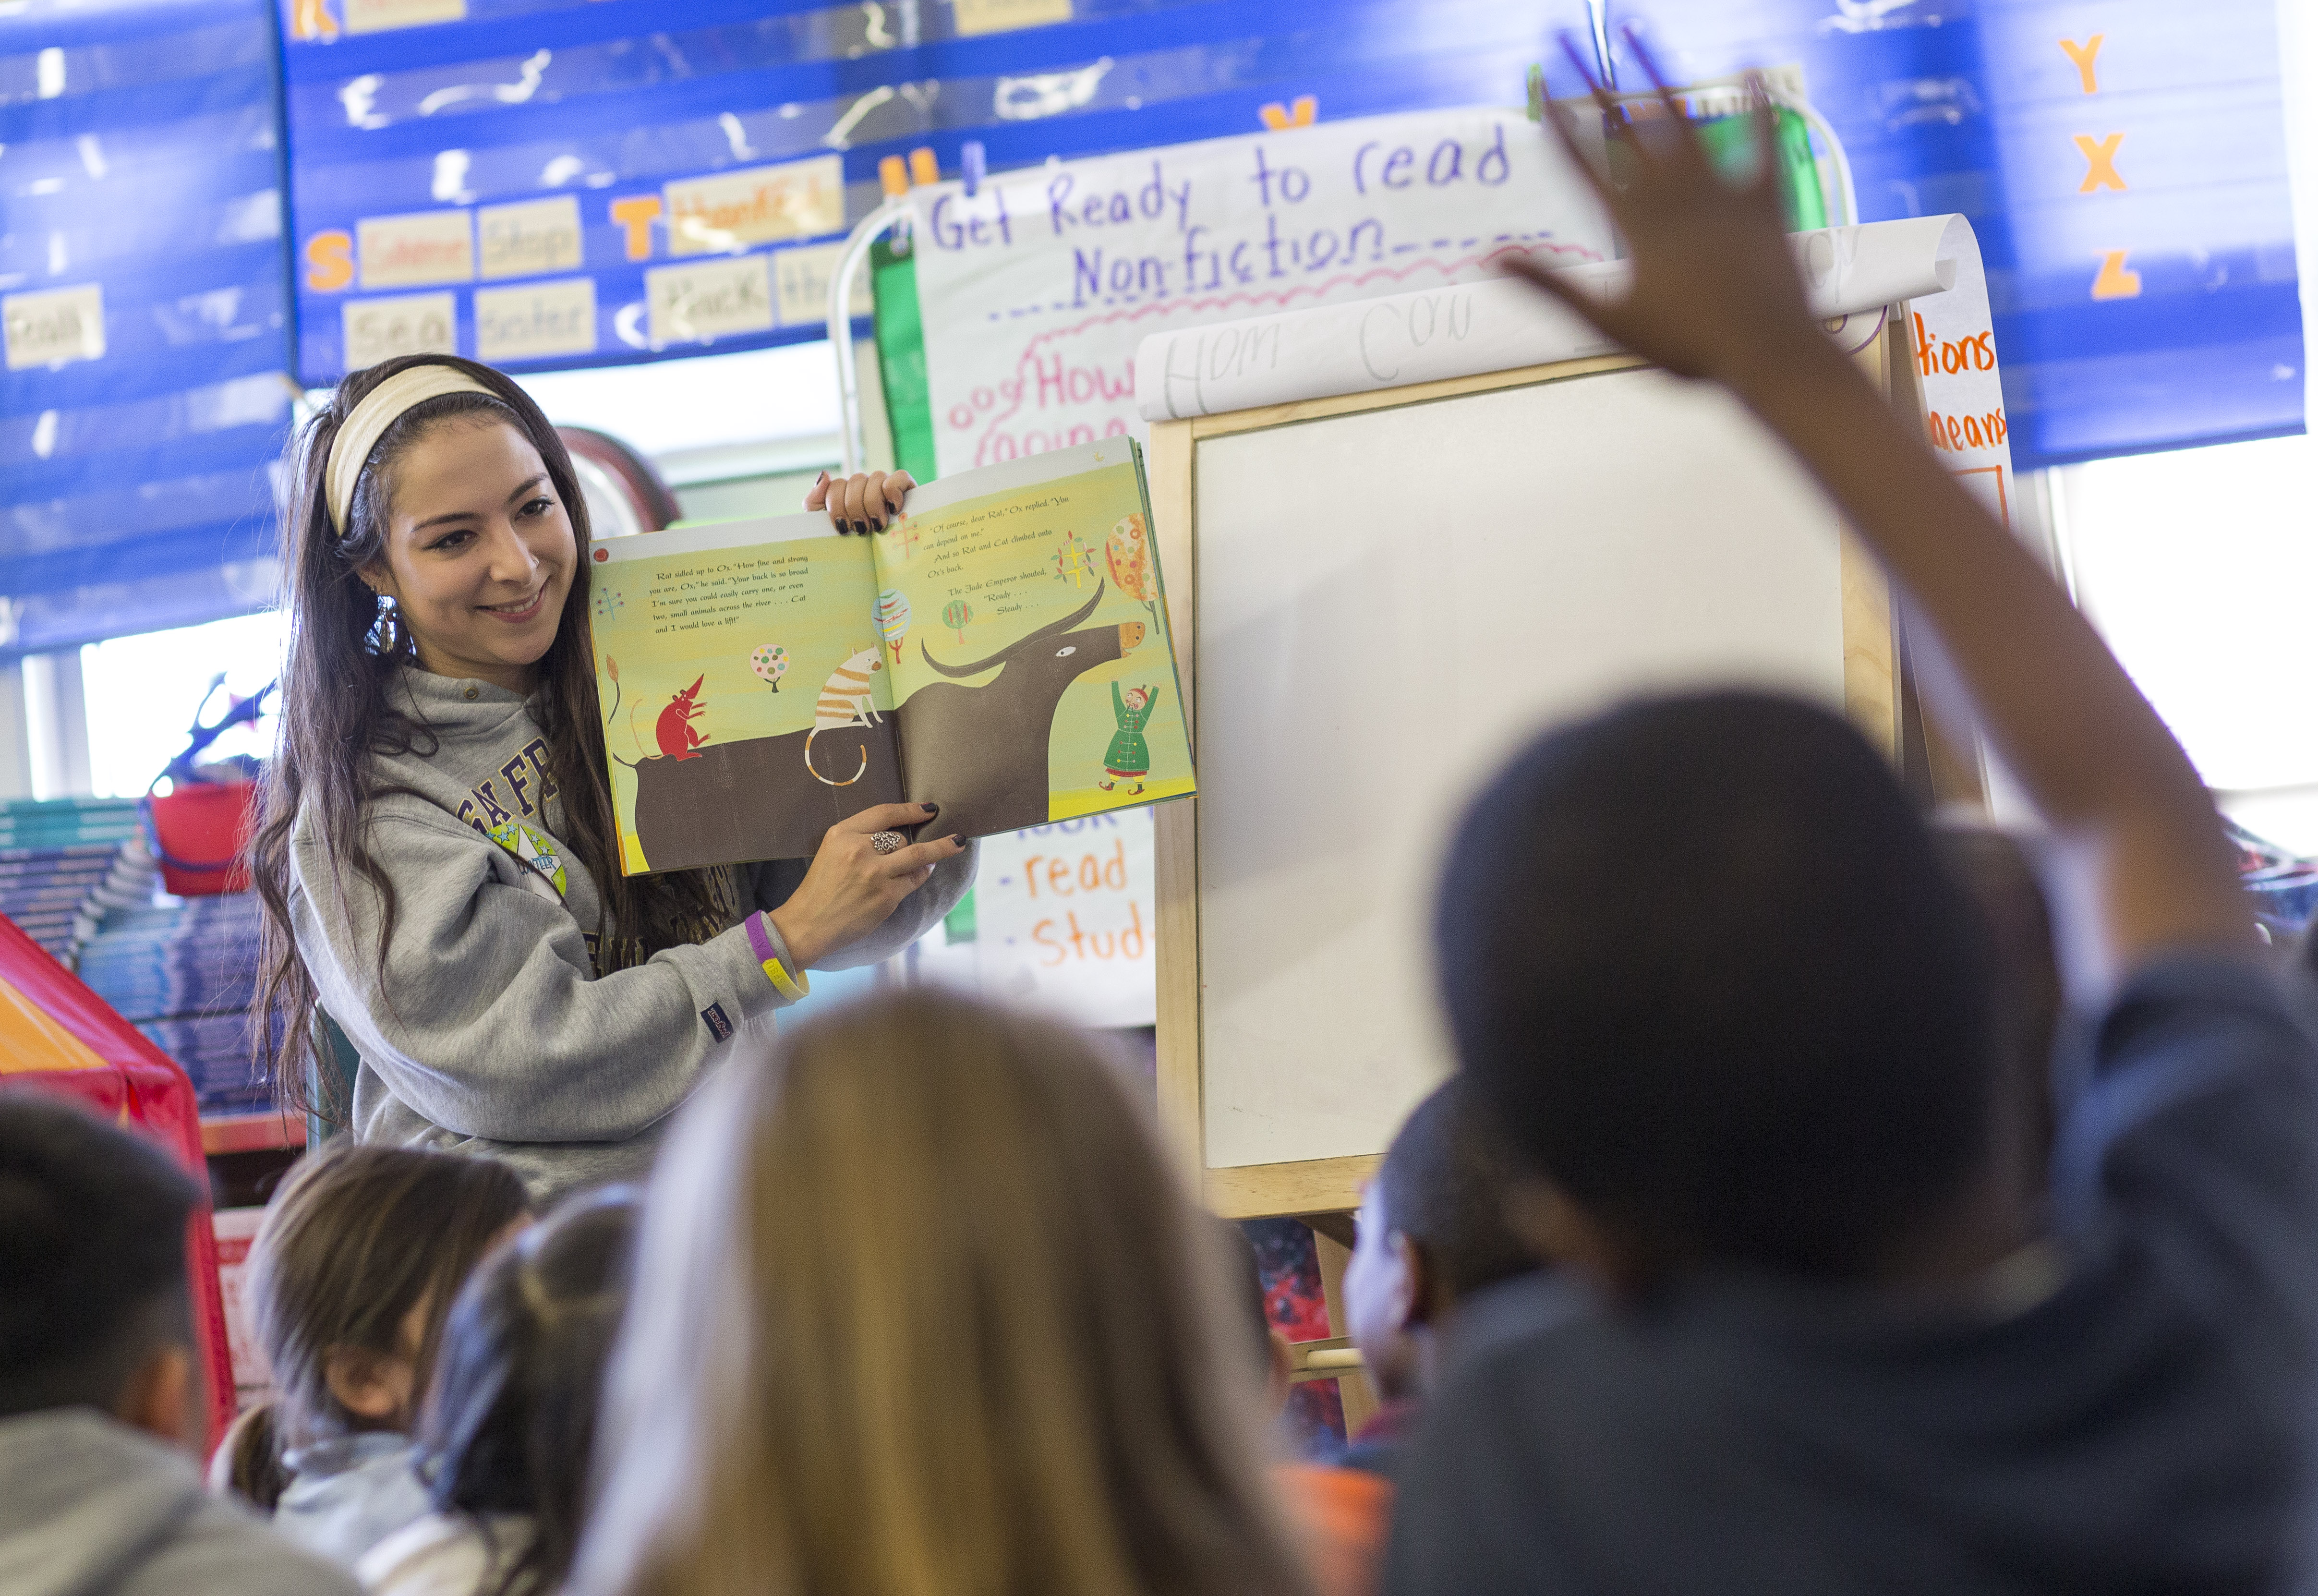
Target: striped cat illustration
[[845, 702]]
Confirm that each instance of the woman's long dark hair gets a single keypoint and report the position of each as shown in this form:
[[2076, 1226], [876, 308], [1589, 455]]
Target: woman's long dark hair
[[345, 645], [509, 1426]]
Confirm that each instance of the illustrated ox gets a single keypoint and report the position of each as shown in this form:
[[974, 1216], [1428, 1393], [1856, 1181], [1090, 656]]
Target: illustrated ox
[[985, 747]]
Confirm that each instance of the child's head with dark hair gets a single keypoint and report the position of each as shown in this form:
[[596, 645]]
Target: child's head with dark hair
[[1432, 1231], [510, 1424], [1995, 871], [93, 1300], [1444, 1183], [1706, 971], [352, 1272]]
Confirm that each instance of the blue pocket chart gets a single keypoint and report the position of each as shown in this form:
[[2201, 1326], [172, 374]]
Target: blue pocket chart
[[144, 288], [564, 183], [2124, 164], [554, 182]]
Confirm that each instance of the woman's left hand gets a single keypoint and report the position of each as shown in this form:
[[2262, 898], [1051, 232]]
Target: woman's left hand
[[850, 888], [862, 503]]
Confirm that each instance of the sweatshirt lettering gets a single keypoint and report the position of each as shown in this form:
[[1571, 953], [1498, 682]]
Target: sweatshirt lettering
[[492, 808], [518, 783], [482, 809], [536, 752]]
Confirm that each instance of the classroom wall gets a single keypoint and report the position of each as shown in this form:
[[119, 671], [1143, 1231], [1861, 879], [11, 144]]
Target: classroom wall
[[2143, 279]]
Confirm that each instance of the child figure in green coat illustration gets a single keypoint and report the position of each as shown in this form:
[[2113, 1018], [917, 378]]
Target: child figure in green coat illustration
[[1128, 756]]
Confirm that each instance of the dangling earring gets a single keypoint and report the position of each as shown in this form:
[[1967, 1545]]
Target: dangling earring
[[385, 630]]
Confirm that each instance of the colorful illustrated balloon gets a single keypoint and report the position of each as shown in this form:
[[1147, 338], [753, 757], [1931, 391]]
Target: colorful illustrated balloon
[[612, 668], [893, 615], [1128, 552], [956, 613], [771, 662]]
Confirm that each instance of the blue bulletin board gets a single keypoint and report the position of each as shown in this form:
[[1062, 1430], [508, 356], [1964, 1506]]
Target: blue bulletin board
[[575, 182], [144, 288], [638, 141], [2124, 165], [557, 183]]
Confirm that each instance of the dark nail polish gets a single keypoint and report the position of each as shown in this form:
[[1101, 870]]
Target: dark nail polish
[[930, 809]]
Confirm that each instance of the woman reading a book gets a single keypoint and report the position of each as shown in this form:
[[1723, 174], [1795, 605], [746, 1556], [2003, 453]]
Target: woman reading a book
[[436, 854]]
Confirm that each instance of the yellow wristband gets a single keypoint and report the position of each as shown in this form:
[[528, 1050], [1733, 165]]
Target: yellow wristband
[[761, 942], [779, 976]]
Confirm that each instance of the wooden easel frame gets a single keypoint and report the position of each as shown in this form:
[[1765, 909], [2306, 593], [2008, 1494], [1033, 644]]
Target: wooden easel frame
[[1331, 1186]]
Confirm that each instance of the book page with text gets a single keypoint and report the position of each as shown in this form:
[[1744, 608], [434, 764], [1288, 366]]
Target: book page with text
[[745, 687], [1037, 679]]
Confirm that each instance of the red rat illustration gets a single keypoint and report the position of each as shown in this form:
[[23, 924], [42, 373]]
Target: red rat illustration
[[677, 738]]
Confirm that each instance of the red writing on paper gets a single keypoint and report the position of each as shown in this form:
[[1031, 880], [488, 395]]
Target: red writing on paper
[[1061, 942], [1090, 873], [1966, 431], [1938, 356]]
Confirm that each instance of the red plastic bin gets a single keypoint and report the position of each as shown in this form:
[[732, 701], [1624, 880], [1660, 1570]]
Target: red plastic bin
[[202, 831]]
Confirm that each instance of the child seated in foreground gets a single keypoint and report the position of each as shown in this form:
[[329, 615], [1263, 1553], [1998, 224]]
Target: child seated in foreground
[[510, 1422], [1767, 1131], [351, 1274], [102, 1401], [1998, 874], [921, 1307], [1432, 1232]]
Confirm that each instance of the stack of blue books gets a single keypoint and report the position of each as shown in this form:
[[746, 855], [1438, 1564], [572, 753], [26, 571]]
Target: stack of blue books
[[182, 971], [54, 858]]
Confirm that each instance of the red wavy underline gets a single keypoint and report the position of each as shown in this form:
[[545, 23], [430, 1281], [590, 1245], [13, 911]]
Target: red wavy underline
[[1279, 296]]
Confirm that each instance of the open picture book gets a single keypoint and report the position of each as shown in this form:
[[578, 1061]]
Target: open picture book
[[1000, 650]]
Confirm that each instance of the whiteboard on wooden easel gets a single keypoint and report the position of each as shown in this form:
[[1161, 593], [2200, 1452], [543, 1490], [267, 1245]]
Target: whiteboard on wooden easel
[[1391, 601]]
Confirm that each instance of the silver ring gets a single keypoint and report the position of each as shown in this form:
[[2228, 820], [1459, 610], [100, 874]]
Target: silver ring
[[887, 842]]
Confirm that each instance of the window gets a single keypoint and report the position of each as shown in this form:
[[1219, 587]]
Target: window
[[2192, 564], [142, 692]]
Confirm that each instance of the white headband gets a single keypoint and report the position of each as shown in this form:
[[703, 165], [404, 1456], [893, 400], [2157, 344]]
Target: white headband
[[380, 408]]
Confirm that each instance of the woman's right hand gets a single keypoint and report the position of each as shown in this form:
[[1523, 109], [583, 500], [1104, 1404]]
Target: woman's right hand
[[862, 503], [850, 888]]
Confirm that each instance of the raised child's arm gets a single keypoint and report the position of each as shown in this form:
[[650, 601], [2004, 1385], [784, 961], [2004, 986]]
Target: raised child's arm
[[1715, 295]]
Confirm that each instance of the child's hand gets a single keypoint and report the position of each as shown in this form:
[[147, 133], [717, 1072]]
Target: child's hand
[[1715, 294], [1714, 291], [861, 503]]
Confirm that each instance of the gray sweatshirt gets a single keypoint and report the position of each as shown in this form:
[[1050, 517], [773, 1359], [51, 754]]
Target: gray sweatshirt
[[89, 1507], [485, 1026]]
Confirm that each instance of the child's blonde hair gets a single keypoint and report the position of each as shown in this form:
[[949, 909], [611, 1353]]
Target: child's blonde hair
[[356, 1239], [922, 1309]]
